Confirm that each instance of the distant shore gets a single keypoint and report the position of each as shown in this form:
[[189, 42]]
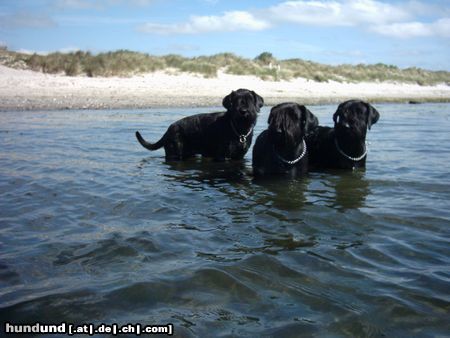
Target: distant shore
[[29, 90]]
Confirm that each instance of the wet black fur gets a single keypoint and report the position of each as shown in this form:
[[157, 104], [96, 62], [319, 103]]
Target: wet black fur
[[289, 123], [352, 119], [212, 134]]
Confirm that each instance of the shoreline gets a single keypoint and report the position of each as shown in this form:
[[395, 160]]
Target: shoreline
[[46, 104], [27, 90]]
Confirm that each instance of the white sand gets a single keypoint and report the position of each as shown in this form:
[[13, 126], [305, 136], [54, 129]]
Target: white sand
[[24, 89]]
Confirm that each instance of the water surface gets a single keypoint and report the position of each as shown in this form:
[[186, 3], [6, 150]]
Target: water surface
[[95, 228]]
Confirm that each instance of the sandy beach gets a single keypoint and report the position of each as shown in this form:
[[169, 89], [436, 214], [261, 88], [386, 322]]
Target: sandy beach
[[28, 90]]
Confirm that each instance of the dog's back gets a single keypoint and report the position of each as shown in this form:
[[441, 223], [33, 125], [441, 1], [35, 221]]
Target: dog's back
[[218, 135], [197, 132]]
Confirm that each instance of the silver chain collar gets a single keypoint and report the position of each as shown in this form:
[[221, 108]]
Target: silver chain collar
[[354, 159], [242, 137], [297, 159]]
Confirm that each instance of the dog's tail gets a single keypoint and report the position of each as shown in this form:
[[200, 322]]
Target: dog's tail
[[148, 145]]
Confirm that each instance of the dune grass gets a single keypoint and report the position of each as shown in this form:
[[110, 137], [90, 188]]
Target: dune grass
[[127, 63]]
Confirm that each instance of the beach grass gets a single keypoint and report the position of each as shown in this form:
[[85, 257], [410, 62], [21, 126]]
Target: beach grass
[[124, 63]]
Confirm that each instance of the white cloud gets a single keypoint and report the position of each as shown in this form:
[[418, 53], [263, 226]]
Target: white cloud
[[442, 27], [369, 11], [337, 13], [308, 12], [228, 22], [414, 29], [403, 30], [392, 19], [373, 15], [389, 19]]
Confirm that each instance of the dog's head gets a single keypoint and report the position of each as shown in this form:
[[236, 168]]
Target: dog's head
[[289, 123], [243, 105], [354, 117]]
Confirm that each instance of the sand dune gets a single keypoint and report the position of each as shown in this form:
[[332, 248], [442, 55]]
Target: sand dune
[[24, 90]]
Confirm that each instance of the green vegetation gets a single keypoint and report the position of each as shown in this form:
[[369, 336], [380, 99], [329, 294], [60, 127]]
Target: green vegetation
[[265, 66]]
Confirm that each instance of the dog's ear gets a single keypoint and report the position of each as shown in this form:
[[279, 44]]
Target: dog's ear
[[338, 111], [372, 115], [309, 120], [273, 112], [227, 101], [312, 121], [259, 101]]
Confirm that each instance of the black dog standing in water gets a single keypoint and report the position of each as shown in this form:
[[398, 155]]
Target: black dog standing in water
[[281, 149], [344, 146], [217, 135]]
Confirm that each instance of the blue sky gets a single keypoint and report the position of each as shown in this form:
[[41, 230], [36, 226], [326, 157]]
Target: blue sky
[[403, 33]]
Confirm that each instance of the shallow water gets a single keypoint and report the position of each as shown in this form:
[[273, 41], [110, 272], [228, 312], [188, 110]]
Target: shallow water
[[94, 228]]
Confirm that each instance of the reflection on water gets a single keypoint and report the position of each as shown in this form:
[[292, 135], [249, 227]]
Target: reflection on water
[[341, 190], [203, 171], [281, 193], [93, 228]]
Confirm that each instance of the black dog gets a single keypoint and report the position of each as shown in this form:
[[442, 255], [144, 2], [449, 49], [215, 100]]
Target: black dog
[[217, 135], [344, 146], [281, 149]]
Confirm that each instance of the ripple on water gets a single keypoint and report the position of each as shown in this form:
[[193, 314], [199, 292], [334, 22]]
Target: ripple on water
[[94, 228]]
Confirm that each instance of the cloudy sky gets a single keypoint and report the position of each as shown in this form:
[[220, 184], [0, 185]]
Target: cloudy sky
[[401, 32]]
